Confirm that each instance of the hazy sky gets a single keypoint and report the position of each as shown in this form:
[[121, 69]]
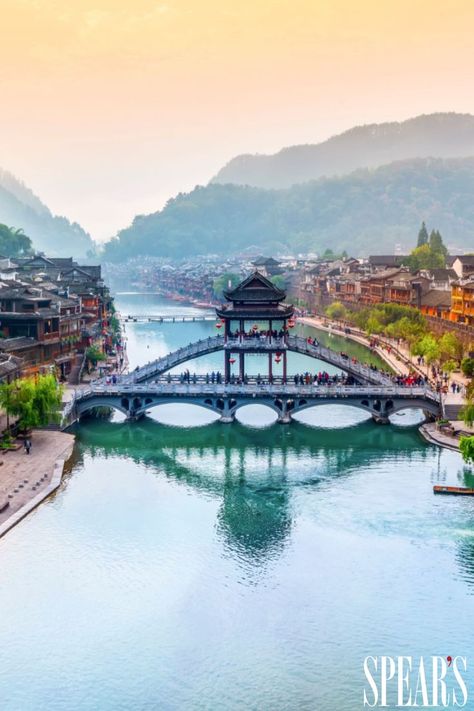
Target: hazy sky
[[109, 107]]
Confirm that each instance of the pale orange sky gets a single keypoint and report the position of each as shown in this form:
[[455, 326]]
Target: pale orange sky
[[109, 107]]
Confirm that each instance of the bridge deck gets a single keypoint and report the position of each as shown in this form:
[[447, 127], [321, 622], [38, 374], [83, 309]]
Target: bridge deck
[[292, 343], [266, 389]]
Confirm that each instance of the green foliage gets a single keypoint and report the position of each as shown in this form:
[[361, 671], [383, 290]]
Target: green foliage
[[436, 244], [115, 327], [466, 445], [35, 401], [94, 355], [428, 347], [467, 367], [336, 311], [14, 242], [467, 413], [393, 320], [451, 348], [422, 236], [364, 212], [424, 258], [222, 283], [279, 281], [449, 366]]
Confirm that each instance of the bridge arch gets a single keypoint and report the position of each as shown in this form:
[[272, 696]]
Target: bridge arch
[[293, 344], [84, 406]]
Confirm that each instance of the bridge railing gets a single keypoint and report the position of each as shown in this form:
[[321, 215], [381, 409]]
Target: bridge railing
[[254, 389], [343, 361], [295, 343]]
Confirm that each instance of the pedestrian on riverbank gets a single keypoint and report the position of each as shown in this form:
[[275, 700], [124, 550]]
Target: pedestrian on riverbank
[[27, 446]]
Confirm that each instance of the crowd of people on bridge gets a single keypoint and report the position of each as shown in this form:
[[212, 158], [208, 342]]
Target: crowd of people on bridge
[[258, 334]]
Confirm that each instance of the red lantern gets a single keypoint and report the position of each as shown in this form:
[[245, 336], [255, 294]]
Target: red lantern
[[291, 323], [277, 359], [278, 354], [232, 360], [255, 327], [219, 324]]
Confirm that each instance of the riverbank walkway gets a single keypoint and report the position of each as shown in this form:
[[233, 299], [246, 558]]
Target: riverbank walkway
[[397, 355], [28, 479]]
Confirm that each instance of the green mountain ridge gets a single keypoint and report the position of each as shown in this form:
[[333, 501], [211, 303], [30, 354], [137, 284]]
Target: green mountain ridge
[[367, 211], [57, 236], [440, 135]]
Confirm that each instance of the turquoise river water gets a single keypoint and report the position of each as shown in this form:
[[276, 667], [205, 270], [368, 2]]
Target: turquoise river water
[[187, 564]]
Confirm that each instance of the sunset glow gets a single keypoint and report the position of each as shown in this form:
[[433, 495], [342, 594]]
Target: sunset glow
[[111, 107]]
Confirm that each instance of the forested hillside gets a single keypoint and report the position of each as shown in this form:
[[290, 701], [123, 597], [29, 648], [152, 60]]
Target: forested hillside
[[441, 135], [20, 208], [365, 212]]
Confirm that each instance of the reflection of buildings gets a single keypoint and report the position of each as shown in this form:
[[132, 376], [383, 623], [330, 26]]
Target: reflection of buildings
[[252, 468]]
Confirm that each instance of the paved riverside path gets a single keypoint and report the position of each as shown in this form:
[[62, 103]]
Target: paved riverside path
[[402, 365], [20, 472]]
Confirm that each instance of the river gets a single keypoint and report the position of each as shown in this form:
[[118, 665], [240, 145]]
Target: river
[[196, 565]]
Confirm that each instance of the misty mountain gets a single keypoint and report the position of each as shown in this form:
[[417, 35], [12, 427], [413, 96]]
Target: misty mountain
[[368, 211], [21, 208], [441, 135]]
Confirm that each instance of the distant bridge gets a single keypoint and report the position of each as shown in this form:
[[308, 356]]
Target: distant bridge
[[286, 399], [166, 318], [297, 344]]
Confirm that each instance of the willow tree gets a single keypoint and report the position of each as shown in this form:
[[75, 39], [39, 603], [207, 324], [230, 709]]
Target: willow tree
[[36, 402], [466, 445]]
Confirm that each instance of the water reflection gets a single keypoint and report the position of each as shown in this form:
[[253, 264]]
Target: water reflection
[[254, 474]]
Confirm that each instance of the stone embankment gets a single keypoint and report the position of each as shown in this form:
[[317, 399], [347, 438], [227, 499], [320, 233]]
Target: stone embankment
[[28, 479]]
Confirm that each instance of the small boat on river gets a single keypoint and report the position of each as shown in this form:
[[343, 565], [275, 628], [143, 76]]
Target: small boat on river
[[456, 490]]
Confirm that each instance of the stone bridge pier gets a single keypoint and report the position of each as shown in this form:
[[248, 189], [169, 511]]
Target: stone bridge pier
[[285, 401]]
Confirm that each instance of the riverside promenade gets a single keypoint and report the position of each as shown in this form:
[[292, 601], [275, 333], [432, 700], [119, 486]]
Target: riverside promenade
[[399, 358], [28, 479]]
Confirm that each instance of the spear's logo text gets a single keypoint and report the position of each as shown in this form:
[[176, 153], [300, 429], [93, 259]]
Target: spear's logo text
[[417, 682]]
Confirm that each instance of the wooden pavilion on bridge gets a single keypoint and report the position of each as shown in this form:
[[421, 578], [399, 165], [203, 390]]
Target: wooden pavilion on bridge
[[255, 320]]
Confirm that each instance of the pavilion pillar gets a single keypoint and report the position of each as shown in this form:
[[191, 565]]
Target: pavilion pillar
[[226, 366], [284, 367], [270, 367], [270, 329], [242, 366], [241, 329]]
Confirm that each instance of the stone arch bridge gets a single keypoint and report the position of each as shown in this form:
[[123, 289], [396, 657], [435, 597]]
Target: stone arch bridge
[[135, 399], [297, 344]]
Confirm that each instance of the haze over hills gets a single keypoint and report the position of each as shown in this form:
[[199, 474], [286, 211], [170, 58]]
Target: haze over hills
[[21, 208], [440, 135], [367, 211]]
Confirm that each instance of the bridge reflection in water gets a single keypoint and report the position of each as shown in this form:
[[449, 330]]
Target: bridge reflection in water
[[253, 474]]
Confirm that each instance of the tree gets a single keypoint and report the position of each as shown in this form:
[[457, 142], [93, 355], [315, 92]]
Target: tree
[[94, 355], [466, 445], [374, 325], [224, 282], [423, 257], [450, 347], [35, 401], [14, 242], [427, 347], [422, 236], [467, 366], [336, 311], [279, 281], [467, 413], [436, 244]]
